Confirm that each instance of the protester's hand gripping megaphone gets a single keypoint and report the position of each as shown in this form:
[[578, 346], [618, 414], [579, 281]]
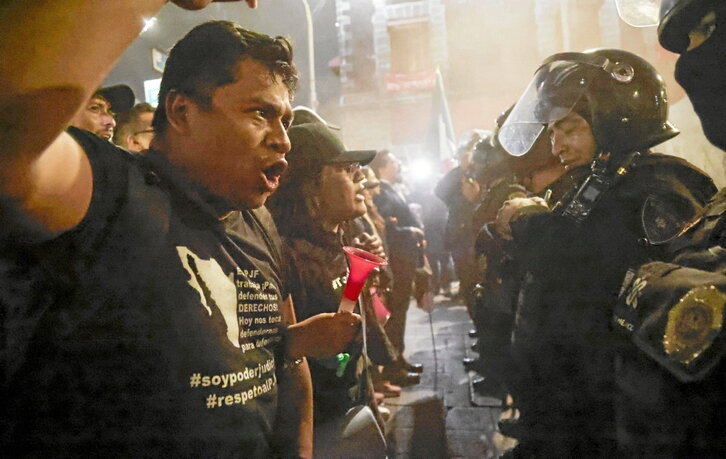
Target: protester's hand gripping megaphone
[[361, 265]]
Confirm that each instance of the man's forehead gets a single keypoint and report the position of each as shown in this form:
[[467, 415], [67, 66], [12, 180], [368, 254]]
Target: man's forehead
[[99, 99], [259, 75], [570, 118], [278, 102]]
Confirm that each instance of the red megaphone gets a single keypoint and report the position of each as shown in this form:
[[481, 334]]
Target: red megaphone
[[361, 265]]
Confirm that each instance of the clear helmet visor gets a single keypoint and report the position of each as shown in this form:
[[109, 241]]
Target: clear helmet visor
[[557, 86], [549, 97], [640, 13]]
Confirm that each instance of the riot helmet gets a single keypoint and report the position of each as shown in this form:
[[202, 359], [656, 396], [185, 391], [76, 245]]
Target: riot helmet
[[674, 18], [488, 159], [487, 150], [467, 141], [621, 96]]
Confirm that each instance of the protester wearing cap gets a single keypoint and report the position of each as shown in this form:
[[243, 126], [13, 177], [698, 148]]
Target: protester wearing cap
[[321, 189], [315, 146], [96, 115], [304, 115]]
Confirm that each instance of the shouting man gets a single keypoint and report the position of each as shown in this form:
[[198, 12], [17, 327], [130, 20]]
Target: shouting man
[[143, 304]]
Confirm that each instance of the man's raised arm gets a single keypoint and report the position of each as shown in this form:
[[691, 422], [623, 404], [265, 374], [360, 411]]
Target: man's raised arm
[[53, 55]]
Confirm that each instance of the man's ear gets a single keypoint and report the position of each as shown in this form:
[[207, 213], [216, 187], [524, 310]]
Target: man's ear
[[133, 144], [129, 141], [177, 111]]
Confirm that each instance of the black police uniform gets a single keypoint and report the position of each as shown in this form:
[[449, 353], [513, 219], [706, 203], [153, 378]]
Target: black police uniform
[[562, 340], [459, 235], [501, 277], [671, 374], [493, 299]]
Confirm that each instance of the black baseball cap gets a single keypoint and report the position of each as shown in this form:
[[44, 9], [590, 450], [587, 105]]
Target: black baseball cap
[[120, 97], [313, 146]]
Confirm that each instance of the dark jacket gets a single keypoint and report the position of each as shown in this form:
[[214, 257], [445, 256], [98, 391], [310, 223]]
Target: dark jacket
[[318, 271], [562, 334], [460, 231], [672, 374], [400, 220]]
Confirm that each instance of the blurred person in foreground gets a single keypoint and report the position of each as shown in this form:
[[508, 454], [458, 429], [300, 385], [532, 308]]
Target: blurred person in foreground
[[604, 109], [672, 376], [138, 322], [133, 128]]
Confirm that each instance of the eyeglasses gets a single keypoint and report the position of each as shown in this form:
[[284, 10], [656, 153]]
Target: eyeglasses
[[349, 168]]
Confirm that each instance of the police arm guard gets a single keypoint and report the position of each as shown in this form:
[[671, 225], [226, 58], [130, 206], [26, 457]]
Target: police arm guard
[[675, 315]]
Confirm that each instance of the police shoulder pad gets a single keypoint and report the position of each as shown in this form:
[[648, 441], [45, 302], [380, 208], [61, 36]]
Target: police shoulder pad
[[664, 217]]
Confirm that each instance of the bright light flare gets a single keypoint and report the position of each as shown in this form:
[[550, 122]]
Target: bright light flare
[[149, 24], [420, 170]]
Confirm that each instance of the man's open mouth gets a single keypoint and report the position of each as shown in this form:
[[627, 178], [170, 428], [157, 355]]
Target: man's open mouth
[[272, 174]]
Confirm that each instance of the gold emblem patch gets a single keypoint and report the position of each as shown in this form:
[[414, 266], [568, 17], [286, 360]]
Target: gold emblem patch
[[694, 323]]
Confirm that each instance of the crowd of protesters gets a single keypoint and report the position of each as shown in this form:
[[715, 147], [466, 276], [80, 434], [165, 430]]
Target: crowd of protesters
[[172, 275]]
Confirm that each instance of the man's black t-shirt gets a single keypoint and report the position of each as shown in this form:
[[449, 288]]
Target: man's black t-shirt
[[149, 329]]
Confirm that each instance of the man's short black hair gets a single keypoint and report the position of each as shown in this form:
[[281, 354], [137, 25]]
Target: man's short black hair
[[207, 58]]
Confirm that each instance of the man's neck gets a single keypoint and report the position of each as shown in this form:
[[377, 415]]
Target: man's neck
[[173, 152]]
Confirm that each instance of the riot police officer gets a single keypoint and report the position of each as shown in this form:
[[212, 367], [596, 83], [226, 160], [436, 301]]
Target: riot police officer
[[603, 109], [491, 167], [672, 377]]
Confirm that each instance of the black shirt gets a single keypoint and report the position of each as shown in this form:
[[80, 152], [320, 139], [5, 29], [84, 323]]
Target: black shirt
[[318, 274], [156, 331], [567, 299]]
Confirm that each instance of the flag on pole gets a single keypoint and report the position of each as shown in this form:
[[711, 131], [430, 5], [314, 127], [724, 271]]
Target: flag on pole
[[440, 140]]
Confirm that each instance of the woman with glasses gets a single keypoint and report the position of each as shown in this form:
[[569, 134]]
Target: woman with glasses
[[321, 189]]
